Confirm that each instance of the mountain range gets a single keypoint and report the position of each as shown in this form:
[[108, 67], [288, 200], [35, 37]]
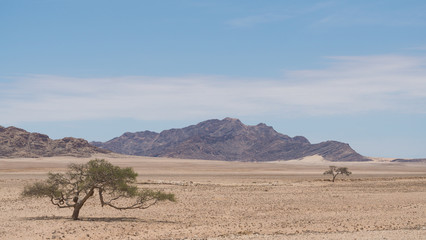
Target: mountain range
[[228, 139], [16, 142]]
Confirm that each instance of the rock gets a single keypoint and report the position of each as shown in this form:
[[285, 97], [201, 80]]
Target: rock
[[414, 160], [16, 142], [228, 139]]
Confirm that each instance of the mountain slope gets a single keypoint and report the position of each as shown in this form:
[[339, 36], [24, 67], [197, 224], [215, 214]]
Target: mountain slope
[[228, 139], [16, 142]]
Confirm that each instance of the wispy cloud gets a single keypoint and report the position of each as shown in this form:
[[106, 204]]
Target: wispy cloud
[[250, 21], [350, 85], [366, 14], [366, 83]]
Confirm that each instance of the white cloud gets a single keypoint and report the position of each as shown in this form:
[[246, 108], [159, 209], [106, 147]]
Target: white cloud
[[369, 83], [350, 85]]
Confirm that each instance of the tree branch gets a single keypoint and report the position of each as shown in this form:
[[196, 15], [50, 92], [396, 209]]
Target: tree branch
[[61, 202], [140, 205]]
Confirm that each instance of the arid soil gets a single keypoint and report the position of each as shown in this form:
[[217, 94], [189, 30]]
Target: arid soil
[[229, 200]]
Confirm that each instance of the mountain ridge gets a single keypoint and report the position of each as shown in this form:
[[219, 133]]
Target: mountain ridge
[[227, 139], [17, 142]]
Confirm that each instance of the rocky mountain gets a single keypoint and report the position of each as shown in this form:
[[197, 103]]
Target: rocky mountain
[[16, 142], [413, 160], [228, 139]]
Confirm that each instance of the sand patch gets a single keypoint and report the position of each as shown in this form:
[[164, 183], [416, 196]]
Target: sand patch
[[228, 200]]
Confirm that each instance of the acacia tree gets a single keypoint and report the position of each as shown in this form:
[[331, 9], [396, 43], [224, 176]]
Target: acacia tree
[[112, 183], [334, 171]]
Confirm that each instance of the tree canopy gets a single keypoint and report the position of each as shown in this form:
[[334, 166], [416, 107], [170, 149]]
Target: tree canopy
[[334, 171], [112, 183]]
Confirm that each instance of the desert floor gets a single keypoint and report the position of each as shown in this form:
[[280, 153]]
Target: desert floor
[[229, 200]]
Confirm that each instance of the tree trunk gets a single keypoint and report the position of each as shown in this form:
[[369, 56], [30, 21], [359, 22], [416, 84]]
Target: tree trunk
[[76, 212], [79, 205]]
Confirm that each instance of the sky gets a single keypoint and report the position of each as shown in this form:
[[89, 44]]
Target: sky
[[350, 71]]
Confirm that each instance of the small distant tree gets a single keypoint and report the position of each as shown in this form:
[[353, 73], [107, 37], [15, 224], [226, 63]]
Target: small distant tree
[[82, 181], [334, 171]]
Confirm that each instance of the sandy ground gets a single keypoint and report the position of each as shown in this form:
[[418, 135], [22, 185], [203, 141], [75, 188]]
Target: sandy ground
[[229, 200]]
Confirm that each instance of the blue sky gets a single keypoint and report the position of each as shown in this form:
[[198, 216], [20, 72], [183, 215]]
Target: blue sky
[[352, 71]]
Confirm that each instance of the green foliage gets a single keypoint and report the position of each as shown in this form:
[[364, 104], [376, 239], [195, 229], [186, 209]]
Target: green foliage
[[161, 196], [79, 183], [334, 171], [40, 189]]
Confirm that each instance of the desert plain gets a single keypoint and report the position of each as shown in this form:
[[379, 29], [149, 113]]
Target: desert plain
[[228, 200]]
